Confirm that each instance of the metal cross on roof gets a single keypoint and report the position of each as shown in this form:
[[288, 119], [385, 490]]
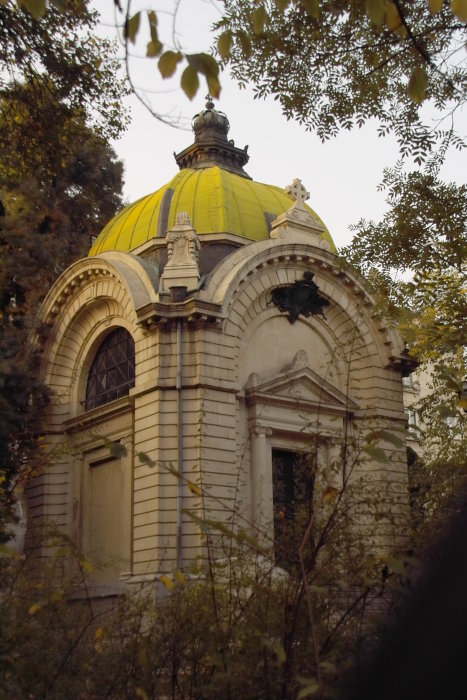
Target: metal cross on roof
[[298, 192]]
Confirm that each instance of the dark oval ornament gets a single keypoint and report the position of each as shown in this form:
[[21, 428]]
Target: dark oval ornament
[[300, 298]]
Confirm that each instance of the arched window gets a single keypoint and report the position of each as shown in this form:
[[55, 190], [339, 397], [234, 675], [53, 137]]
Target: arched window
[[112, 373]]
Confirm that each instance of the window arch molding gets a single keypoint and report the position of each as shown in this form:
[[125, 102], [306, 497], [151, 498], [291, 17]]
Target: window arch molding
[[109, 368]]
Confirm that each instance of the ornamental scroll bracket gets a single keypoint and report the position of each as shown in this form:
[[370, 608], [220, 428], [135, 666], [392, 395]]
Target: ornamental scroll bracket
[[300, 298]]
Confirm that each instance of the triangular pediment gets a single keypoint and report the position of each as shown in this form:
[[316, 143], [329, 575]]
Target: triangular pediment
[[298, 383]]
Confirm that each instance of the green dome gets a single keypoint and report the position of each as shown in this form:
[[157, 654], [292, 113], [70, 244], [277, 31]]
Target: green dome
[[216, 200]]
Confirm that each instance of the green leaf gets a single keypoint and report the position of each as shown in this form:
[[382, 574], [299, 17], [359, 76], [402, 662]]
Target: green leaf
[[61, 5], [393, 18], [224, 44], [435, 6], [398, 566], [386, 436], [447, 412], [116, 449], [132, 27], [312, 7], [152, 19], [282, 4], [153, 49], [376, 11], [206, 65], [36, 8], [214, 85], [417, 85], [146, 459], [245, 43], [258, 19], [168, 63], [154, 46], [376, 453], [459, 8], [189, 82]]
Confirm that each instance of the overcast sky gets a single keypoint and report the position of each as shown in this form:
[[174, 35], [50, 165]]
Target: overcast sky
[[341, 175]]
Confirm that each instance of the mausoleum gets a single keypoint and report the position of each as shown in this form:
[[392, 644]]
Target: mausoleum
[[211, 334]]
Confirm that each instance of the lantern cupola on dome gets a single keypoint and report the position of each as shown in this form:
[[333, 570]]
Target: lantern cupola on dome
[[211, 146]]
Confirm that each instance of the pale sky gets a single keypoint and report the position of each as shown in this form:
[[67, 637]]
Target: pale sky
[[341, 175]]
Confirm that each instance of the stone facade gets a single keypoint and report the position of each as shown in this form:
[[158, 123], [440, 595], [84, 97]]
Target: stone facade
[[222, 378]]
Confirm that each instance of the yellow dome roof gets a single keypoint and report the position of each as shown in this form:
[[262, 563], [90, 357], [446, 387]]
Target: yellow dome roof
[[216, 200]]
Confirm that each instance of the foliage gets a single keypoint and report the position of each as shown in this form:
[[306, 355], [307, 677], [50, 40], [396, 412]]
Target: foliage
[[60, 48], [60, 182], [335, 65], [415, 261], [414, 257], [235, 625]]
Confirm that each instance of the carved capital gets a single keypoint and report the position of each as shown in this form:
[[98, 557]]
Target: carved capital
[[257, 430]]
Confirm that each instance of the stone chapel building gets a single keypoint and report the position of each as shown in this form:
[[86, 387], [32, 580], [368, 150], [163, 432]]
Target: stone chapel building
[[212, 332]]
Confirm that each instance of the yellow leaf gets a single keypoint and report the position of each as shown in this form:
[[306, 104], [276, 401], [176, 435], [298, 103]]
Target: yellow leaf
[[194, 489], [87, 566], [417, 85], [459, 8], [167, 581], [180, 576], [141, 693], [34, 609], [435, 6], [99, 633], [330, 494]]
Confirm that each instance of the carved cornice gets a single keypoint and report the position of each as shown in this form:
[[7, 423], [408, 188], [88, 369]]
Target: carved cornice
[[197, 313]]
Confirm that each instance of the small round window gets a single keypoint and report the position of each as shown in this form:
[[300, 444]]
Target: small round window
[[112, 373]]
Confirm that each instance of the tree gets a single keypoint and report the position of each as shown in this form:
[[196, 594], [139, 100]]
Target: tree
[[415, 261], [335, 65], [60, 182], [38, 42]]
